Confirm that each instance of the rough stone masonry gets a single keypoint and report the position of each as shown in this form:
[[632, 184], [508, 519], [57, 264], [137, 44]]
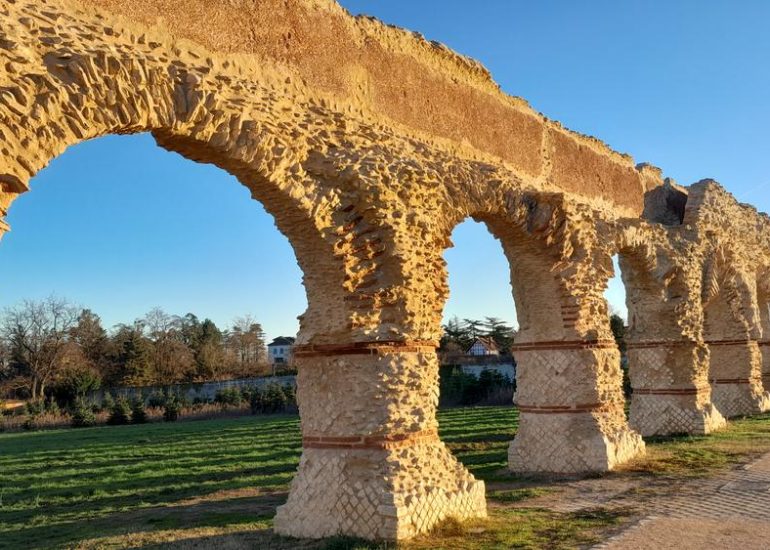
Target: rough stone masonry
[[369, 144]]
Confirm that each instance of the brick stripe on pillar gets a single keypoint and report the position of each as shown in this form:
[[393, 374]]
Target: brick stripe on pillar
[[764, 349], [564, 425], [735, 374], [670, 391], [370, 446]]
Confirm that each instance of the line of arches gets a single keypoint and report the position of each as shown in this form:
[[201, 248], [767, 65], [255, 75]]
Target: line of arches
[[369, 213]]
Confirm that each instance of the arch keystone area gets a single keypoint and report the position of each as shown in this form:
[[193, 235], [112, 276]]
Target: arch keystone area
[[369, 144]]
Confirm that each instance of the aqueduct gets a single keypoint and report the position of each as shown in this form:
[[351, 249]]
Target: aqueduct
[[369, 144]]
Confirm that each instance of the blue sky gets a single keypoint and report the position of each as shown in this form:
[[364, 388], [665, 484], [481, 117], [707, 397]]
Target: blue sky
[[120, 225]]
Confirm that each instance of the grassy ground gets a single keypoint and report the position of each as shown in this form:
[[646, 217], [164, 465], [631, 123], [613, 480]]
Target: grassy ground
[[217, 483]]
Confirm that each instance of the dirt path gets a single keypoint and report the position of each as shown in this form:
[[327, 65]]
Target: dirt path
[[731, 510]]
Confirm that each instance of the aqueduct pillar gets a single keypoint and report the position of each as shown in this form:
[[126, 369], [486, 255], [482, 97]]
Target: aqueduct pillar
[[568, 381], [667, 360], [372, 463], [732, 331], [763, 300]]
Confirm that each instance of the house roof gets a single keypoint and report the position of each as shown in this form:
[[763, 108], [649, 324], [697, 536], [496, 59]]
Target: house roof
[[282, 341], [489, 343]]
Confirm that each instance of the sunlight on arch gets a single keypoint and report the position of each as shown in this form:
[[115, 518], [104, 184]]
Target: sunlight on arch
[[120, 225]]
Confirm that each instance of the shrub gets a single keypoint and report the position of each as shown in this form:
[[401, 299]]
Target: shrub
[[31, 423], [82, 414], [172, 408], [201, 400], [460, 388], [256, 400], [138, 414], [33, 408], [275, 398], [108, 402], [52, 407], [291, 395], [271, 399], [76, 382], [229, 396], [156, 400], [120, 413], [246, 392]]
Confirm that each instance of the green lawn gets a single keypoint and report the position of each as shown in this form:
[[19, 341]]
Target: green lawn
[[60, 487], [198, 482]]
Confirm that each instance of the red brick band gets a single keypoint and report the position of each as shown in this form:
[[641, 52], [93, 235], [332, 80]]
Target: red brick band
[[732, 380], [559, 409], [728, 342], [565, 345], [670, 391], [364, 348], [376, 442]]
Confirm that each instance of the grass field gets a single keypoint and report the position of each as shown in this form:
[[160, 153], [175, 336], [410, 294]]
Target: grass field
[[217, 483]]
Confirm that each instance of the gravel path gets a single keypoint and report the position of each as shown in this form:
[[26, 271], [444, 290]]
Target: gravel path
[[728, 511]]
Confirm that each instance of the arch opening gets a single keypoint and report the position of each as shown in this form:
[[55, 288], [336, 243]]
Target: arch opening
[[476, 366], [616, 297], [131, 231], [667, 363], [565, 363]]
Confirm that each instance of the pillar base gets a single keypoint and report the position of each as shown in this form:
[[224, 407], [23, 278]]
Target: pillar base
[[571, 443], [659, 415], [378, 494], [742, 398]]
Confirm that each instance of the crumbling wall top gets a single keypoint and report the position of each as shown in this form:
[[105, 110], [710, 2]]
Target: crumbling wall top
[[404, 78]]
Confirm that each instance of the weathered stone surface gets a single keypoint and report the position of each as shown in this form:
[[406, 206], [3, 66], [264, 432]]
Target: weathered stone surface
[[368, 158]]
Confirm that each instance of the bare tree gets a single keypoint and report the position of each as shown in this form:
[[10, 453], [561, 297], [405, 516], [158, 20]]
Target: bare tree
[[173, 359], [37, 333], [248, 340]]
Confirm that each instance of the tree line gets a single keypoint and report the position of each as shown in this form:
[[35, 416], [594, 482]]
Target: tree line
[[53, 347], [459, 335]]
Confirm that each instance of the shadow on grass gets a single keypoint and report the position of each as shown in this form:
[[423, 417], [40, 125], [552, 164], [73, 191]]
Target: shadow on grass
[[233, 511]]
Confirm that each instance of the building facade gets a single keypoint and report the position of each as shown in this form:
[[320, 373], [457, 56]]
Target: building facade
[[279, 351]]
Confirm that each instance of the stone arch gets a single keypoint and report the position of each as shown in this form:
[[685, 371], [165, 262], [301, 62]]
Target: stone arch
[[187, 102], [568, 379], [731, 329], [204, 109], [667, 359]]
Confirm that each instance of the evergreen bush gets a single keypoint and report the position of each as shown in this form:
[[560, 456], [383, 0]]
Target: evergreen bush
[[172, 408], [82, 414], [156, 400], [108, 402], [120, 413], [229, 396], [138, 413]]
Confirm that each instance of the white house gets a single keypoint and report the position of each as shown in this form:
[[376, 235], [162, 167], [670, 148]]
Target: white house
[[483, 346], [279, 351]]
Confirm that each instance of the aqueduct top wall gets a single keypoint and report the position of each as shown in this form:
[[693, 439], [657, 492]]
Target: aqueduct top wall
[[397, 75]]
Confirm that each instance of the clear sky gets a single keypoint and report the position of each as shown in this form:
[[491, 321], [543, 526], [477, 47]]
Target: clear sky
[[120, 225]]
